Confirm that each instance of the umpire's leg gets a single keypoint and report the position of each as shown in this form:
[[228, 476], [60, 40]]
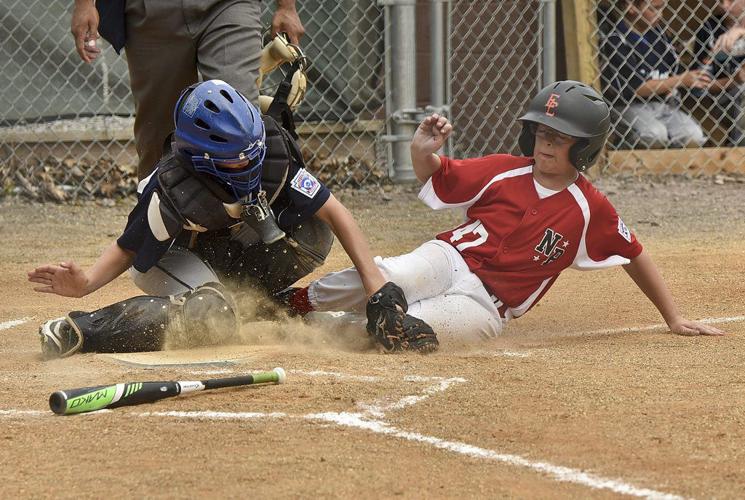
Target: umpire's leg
[[230, 45], [162, 61]]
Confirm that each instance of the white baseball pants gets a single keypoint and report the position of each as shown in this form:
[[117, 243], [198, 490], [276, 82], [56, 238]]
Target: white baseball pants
[[439, 287]]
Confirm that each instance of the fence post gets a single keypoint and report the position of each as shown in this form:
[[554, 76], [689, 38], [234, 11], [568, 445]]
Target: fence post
[[548, 54], [437, 49], [402, 114]]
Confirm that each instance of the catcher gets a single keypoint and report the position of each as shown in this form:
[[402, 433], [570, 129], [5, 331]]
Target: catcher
[[527, 219], [229, 203]]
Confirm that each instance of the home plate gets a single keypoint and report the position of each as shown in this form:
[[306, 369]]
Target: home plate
[[228, 355]]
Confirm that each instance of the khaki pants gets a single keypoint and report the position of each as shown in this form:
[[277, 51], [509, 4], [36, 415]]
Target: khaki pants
[[168, 42]]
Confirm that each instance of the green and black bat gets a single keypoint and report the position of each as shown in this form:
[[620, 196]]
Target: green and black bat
[[135, 393]]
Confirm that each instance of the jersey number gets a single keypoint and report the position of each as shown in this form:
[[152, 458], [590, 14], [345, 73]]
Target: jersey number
[[475, 227]]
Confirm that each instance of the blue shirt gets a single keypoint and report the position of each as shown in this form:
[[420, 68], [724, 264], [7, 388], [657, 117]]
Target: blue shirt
[[149, 233], [629, 59]]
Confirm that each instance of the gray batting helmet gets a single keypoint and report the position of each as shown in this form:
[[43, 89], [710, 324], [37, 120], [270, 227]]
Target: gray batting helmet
[[571, 108]]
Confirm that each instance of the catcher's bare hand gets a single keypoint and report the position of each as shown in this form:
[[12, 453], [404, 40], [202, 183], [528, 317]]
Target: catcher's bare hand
[[431, 135], [687, 327], [67, 279], [84, 27]]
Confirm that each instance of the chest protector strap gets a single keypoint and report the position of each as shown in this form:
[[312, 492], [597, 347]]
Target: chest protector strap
[[202, 204]]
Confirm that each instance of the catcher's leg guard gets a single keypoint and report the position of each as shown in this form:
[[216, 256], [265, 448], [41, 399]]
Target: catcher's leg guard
[[204, 316], [132, 325]]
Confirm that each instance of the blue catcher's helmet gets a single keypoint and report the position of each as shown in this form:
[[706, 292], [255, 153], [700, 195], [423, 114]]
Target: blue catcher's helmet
[[221, 134]]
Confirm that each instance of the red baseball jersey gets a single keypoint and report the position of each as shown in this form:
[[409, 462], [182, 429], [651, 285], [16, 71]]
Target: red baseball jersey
[[518, 243]]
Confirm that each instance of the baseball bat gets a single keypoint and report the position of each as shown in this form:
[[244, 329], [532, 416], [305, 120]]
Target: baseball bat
[[87, 399]]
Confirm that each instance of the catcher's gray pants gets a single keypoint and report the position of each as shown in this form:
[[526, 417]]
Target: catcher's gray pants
[[177, 272], [439, 288], [168, 41]]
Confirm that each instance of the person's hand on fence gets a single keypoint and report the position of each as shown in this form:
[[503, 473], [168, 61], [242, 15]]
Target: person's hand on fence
[[725, 42], [430, 135], [287, 20], [739, 77], [84, 27], [695, 79]]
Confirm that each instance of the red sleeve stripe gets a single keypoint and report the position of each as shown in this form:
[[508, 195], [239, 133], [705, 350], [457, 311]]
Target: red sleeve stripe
[[428, 195]]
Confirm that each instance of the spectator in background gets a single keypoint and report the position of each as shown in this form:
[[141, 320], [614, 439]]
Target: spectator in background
[[168, 42], [713, 52], [641, 79]]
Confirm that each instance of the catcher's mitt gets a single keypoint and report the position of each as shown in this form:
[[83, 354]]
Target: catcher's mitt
[[393, 329]]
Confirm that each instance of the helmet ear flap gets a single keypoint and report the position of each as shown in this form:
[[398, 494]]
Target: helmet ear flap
[[577, 155], [526, 141]]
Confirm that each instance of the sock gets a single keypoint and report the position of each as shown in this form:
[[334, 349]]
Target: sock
[[300, 302]]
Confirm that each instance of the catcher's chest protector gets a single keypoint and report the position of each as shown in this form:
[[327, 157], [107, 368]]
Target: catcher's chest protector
[[201, 202]]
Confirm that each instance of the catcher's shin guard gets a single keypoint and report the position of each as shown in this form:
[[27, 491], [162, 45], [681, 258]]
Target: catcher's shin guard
[[132, 325], [203, 316]]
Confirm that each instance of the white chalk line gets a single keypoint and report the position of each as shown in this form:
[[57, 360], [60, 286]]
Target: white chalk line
[[513, 354], [15, 322], [378, 408], [663, 326], [361, 421], [321, 373], [24, 413], [560, 473]]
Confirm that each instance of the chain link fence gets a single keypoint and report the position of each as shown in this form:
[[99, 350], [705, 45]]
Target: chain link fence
[[689, 117], [677, 91], [66, 127], [494, 71]]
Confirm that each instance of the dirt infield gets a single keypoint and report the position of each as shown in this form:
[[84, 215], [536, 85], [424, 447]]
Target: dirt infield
[[584, 396]]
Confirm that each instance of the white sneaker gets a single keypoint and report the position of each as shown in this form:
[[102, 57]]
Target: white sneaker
[[59, 339]]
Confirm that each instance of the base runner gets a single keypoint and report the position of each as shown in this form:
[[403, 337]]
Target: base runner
[[528, 219]]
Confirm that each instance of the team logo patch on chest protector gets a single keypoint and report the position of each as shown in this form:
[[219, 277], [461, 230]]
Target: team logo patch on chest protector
[[549, 247]]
